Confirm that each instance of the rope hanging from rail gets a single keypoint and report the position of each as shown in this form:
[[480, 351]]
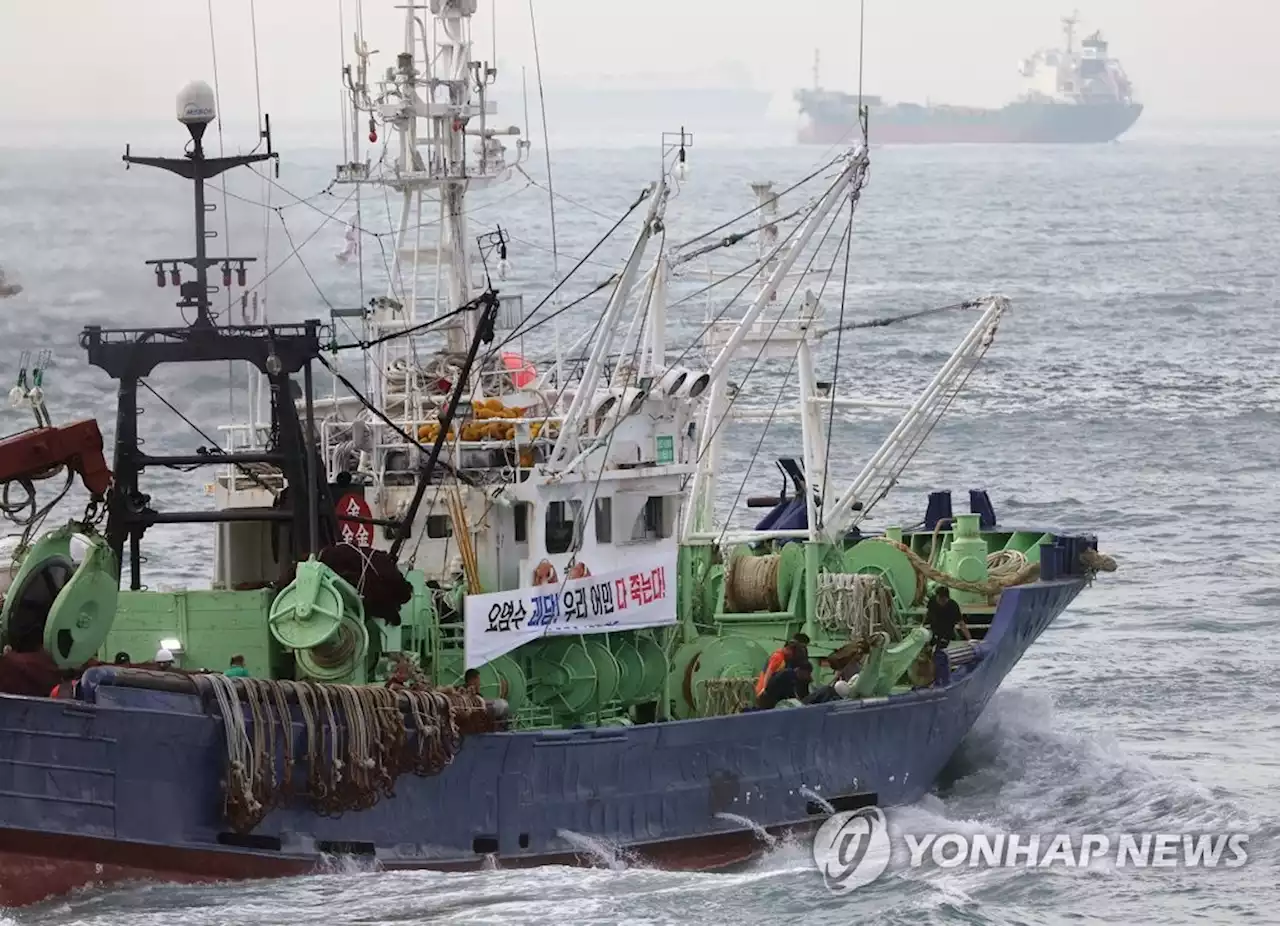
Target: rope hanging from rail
[[357, 741]]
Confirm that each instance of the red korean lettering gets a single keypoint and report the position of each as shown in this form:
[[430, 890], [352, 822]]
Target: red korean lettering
[[659, 577], [637, 589]]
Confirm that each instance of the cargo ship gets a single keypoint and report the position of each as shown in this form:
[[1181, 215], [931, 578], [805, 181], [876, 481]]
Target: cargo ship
[[1076, 95]]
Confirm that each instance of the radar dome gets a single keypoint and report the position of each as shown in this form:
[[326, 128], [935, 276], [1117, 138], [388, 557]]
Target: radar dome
[[196, 104]]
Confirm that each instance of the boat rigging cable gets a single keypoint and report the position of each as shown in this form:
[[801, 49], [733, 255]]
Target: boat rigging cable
[[483, 334], [381, 416], [752, 211], [777, 250], [737, 237], [518, 330], [213, 444], [894, 319], [835, 368], [777, 401], [546, 142]]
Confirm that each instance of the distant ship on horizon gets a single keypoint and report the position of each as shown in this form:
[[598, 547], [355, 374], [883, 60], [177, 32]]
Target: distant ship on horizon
[[719, 99], [1072, 96]]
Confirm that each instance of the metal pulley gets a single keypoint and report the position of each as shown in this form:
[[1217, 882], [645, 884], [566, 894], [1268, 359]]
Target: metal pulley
[[310, 610], [74, 595]]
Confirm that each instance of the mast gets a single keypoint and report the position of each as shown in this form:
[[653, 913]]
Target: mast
[[435, 108], [1069, 24], [278, 351]]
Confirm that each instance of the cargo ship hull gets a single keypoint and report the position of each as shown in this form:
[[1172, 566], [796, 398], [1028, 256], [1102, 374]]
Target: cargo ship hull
[[1017, 123], [124, 783]]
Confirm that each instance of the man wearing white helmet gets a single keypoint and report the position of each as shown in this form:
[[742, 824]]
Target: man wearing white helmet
[[164, 659]]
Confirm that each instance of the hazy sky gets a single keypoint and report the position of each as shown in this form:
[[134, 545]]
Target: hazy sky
[[125, 59]]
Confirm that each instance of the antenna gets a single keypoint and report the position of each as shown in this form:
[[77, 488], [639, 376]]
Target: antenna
[[196, 109], [546, 145], [863, 114], [1069, 24]]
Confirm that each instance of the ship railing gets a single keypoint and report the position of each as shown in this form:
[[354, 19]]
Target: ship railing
[[775, 332], [245, 437]]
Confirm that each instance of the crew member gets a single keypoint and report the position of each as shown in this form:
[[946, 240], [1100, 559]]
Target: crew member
[[789, 682], [793, 652], [163, 660], [237, 669], [944, 616], [497, 708]]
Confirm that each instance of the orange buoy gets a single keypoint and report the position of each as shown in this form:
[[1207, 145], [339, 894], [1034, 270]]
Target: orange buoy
[[523, 373]]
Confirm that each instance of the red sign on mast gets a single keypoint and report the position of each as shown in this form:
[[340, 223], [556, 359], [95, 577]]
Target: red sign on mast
[[353, 532]]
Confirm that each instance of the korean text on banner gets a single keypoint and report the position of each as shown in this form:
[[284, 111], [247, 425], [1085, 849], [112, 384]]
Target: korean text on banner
[[642, 595]]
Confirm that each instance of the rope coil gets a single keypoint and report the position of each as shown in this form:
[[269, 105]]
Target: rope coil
[[859, 604], [751, 584], [1000, 579]]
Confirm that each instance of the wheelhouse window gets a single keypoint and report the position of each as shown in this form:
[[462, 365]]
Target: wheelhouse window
[[562, 525], [656, 520], [522, 522], [604, 520]]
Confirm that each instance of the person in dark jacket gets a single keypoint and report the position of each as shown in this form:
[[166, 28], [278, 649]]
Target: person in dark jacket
[[944, 616], [791, 682]]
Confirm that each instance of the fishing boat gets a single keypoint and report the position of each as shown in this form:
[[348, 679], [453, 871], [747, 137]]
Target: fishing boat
[[552, 519]]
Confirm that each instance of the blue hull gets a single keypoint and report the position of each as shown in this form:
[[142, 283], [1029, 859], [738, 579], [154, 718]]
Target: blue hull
[[127, 784]]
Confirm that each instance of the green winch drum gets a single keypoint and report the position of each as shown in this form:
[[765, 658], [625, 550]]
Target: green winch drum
[[679, 677], [573, 675], [84, 595], [338, 659], [725, 657], [892, 565], [642, 665]]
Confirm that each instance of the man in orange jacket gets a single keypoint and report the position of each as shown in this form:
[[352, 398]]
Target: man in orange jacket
[[793, 652]]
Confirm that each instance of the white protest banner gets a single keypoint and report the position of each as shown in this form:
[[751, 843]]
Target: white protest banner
[[642, 595]]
